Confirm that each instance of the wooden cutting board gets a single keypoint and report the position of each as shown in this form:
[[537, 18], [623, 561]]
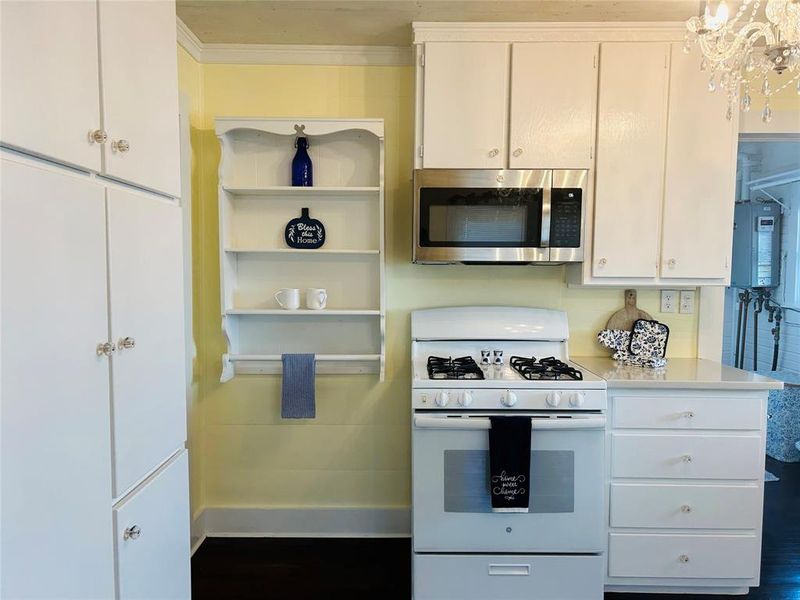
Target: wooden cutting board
[[627, 316]]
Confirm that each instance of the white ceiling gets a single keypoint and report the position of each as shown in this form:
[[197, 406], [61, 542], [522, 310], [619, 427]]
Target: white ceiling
[[388, 22]]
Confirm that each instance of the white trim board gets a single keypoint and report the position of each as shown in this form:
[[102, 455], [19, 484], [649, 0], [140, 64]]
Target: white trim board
[[301, 522], [291, 54]]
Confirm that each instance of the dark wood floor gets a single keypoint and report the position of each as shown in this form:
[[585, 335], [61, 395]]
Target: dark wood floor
[[377, 569]]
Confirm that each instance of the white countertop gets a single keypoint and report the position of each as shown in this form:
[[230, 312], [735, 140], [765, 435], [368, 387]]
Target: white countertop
[[688, 373]]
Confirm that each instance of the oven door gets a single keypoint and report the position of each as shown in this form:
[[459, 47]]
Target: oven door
[[452, 508], [481, 215]]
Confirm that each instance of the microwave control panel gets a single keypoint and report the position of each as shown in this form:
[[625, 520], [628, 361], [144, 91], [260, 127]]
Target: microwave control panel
[[566, 217]]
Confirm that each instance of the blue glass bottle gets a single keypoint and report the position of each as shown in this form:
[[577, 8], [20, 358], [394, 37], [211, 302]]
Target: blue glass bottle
[[302, 173]]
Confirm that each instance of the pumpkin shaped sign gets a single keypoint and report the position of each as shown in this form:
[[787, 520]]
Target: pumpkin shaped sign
[[304, 232]]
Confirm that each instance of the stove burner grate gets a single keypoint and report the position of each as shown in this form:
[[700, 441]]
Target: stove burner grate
[[545, 368], [464, 367]]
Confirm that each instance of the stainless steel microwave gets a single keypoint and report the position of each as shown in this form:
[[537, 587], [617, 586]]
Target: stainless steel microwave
[[499, 216]]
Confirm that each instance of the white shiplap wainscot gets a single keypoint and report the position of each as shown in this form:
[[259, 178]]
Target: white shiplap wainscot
[[256, 201]]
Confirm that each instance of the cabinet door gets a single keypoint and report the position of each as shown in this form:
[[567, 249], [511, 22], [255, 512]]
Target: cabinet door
[[140, 93], [465, 110], [553, 100], [631, 139], [146, 293], [699, 190], [152, 537], [49, 79], [56, 447]]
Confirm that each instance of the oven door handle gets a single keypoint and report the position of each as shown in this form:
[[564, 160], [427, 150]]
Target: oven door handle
[[547, 424]]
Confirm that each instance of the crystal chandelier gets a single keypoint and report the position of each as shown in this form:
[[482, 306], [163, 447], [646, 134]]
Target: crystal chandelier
[[740, 53]]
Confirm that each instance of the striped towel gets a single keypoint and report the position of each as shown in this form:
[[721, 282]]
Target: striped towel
[[297, 395]]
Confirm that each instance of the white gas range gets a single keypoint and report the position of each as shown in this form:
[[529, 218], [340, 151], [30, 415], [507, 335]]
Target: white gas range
[[463, 550]]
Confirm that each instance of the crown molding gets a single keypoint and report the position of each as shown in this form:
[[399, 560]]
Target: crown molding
[[290, 54], [190, 42], [612, 31]]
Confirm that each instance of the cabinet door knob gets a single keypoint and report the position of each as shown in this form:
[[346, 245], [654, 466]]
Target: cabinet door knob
[[602, 262], [683, 558], [671, 263], [494, 152], [687, 458], [688, 414], [132, 533], [105, 349], [97, 136], [517, 152], [686, 508], [127, 343], [121, 146]]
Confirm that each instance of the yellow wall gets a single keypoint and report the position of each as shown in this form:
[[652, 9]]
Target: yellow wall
[[356, 452]]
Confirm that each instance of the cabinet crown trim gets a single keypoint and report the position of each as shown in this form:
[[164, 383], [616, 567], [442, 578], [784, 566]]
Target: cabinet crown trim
[[666, 31]]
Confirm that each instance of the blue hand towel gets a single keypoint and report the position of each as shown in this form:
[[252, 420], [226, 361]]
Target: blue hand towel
[[297, 396]]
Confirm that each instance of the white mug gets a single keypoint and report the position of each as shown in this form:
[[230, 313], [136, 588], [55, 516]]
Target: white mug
[[288, 298], [316, 298]]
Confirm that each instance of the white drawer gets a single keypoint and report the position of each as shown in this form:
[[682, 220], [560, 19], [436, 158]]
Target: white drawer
[[155, 563], [689, 412], [685, 506], [507, 577], [687, 456], [691, 556]]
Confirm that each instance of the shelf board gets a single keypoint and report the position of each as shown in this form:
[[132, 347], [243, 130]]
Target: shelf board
[[299, 251], [303, 192], [303, 312]]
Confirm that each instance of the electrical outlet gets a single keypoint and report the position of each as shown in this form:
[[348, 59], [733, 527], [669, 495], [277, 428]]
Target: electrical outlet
[[687, 302], [669, 301]]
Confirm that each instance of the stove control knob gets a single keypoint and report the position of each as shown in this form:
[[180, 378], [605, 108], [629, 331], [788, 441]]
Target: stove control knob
[[465, 399], [577, 399], [508, 398], [553, 399], [442, 398]]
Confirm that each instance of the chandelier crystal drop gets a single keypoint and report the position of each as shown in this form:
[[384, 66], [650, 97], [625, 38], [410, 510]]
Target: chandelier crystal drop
[[741, 53]]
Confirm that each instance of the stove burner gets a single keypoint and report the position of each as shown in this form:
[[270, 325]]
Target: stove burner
[[545, 368], [464, 367]]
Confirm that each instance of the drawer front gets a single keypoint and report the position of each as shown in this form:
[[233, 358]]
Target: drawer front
[[687, 456], [691, 556], [507, 577], [155, 563], [685, 506], [690, 412]]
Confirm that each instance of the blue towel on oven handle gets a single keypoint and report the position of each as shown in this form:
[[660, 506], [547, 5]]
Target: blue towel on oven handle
[[298, 391]]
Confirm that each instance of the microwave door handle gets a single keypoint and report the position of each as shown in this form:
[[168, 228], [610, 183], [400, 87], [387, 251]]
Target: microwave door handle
[[547, 424], [546, 210]]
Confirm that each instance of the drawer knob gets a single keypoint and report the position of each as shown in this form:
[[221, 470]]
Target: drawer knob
[[494, 152], [517, 152], [132, 533], [683, 558], [127, 343], [687, 458], [688, 414], [602, 262], [686, 508]]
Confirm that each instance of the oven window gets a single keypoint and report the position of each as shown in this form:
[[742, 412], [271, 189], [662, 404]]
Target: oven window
[[480, 217], [466, 481]]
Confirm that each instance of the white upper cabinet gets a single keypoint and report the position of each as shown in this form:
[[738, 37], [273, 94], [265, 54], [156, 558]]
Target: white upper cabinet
[[140, 93], [465, 105], [146, 293], [56, 447], [49, 86], [700, 176], [553, 99], [631, 139]]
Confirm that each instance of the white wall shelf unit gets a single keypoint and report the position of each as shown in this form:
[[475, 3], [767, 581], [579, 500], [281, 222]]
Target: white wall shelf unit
[[256, 201]]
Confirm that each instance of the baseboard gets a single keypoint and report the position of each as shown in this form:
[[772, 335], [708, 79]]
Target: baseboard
[[301, 522]]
